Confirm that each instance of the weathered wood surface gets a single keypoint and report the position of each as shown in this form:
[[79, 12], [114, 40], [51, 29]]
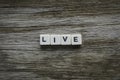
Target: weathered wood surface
[[21, 56]]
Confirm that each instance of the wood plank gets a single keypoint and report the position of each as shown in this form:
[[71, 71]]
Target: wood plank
[[22, 58]]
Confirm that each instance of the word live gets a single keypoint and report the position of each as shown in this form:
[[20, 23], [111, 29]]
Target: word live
[[65, 39]]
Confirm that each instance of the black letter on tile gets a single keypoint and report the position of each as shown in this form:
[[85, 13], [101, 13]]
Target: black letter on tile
[[54, 40], [43, 39], [65, 38], [75, 39]]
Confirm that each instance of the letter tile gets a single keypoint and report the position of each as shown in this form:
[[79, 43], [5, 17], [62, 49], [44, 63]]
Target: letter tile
[[66, 39], [76, 39], [55, 39], [45, 39]]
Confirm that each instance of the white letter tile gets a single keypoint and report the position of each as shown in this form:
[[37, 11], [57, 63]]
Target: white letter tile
[[44, 39], [55, 39], [76, 39], [65, 39]]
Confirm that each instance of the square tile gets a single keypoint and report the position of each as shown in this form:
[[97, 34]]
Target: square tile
[[44, 39], [76, 39], [55, 39], [66, 39]]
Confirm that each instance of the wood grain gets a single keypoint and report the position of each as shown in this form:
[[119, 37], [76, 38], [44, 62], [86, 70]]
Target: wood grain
[[22, 58]]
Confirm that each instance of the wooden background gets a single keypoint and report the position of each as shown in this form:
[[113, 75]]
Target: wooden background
[[22, 58]]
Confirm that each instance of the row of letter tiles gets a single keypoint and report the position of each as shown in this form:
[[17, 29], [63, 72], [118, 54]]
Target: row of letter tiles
[[66, 39]]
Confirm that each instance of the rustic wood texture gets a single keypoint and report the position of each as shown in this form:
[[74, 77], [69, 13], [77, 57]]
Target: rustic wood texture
[[22, 58]]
